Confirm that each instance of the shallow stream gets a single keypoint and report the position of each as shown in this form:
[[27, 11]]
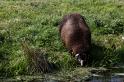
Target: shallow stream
[[110, 75], [97, 75]]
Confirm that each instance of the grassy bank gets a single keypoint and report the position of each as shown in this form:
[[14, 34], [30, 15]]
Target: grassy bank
[[36, 21]]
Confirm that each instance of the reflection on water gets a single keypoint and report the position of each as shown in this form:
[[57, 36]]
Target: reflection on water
[[115, 78], [111, 75]]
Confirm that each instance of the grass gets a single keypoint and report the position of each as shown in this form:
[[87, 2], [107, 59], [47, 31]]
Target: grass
[[37, 21]]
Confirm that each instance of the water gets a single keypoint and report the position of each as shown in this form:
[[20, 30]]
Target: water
[[106, 78], [109, 75], [97, 75]]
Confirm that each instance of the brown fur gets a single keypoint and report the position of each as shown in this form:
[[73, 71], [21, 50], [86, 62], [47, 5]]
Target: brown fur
[[75, 34]]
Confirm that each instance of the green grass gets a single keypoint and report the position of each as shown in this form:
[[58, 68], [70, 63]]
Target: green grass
[[36, 21]]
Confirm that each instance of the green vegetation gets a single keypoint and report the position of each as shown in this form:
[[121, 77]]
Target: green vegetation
[[36, 22]]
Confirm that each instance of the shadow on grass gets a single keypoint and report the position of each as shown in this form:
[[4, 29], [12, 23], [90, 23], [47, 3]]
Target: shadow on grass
[[4, 61], [96, 54], [121, 54], [106, 57]]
